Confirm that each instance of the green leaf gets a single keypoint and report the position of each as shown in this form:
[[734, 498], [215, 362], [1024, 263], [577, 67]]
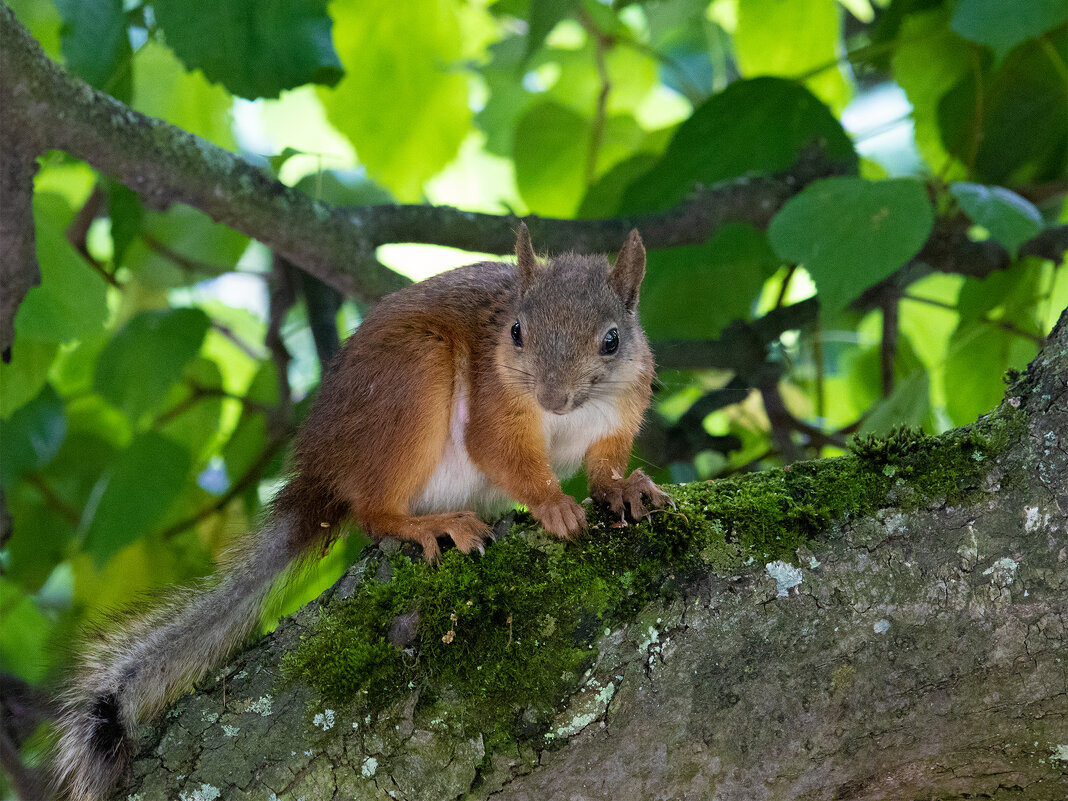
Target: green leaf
[[344, 188], [693, 292], [604, 196], [864, 384], [182, 245], [136, 491], [850, 234], [23, 632], [139, 364], [790, 39], [43, 22], [71, 300], [32, 436], [552, 145], [543, 16], [22, 378], [40, 540], [95, 44], [1012, 294], [1010, 123], [403, 100], [127, 214], [928, 61], [1009, 218], [979, 354], [163, 88], [255, 48], [85, 454], [760, 125], [194, 419], [909, 404], [1003, 24]]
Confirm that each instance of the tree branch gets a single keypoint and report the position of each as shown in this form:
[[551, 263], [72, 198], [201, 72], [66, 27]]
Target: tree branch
[[916, 651], [164, 165]]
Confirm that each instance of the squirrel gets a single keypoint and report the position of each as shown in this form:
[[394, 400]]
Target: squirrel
[[455, 397]]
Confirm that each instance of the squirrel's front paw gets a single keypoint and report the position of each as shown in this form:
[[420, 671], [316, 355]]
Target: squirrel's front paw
[[629, 492], [561, 516]]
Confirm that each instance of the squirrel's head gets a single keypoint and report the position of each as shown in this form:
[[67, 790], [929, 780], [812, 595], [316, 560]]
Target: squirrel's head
[[575, 336]]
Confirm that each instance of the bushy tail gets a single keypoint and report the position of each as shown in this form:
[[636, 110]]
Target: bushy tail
[[127, 676]]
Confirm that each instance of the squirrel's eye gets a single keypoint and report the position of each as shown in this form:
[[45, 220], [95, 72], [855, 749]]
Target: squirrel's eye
[[611, 342], [517, 334]]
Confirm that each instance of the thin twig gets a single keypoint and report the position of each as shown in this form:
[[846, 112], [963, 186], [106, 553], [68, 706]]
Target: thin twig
[[247, 348], [180, 260], [601, 43], [888, 346], [78, 233], [199, 392], [784, 287], [246, 480], [66, 511], [1004, 325]]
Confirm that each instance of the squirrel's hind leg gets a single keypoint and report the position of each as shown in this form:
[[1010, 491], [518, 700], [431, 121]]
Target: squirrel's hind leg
[[463, 528], [413, 413]]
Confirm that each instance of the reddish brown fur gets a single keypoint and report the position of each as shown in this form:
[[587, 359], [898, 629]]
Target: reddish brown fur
[[379, 426]]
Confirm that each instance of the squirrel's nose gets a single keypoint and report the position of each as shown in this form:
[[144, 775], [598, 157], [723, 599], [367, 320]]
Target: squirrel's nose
[[553, 398]]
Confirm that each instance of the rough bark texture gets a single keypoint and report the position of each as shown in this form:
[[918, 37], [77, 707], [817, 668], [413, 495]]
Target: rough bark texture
[[918, 654]]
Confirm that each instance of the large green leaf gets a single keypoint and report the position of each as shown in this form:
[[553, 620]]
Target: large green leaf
[[1009, 124], [255, 48], [95, 44], [1003, 24], [760, 125], [789, 39], [850, 233], [403, 101], [928, 61], [552, 145], [1009, 218], [31, 436], [693, 292], [71, 300], [139, 364], [138, 489]]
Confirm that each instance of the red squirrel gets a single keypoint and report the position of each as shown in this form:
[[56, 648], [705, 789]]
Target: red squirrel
[[456, 397]]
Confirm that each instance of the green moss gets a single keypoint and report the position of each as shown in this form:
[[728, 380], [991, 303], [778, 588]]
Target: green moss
[[506, 635]]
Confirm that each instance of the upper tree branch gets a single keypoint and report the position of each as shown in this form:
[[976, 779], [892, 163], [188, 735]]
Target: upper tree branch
[[45, 108]]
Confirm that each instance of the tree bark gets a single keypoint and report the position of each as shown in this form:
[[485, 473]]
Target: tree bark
[[914, 654]]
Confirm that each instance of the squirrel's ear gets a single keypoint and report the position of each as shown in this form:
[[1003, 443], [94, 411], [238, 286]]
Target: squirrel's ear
[[524, 253], [629, 270]]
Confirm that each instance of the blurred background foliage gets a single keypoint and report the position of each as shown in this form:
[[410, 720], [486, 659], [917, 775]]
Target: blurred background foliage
[[160, 368]]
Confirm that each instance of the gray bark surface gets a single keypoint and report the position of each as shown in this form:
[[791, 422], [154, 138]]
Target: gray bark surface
[[921, 655]]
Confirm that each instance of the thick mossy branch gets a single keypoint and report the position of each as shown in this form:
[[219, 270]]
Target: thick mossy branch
[[509, 633], [914, 649]]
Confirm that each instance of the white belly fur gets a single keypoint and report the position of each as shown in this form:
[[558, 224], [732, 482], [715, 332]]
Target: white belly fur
[[457, 484]]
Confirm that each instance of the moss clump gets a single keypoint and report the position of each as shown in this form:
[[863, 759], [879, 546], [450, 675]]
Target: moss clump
[[509, 633]]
